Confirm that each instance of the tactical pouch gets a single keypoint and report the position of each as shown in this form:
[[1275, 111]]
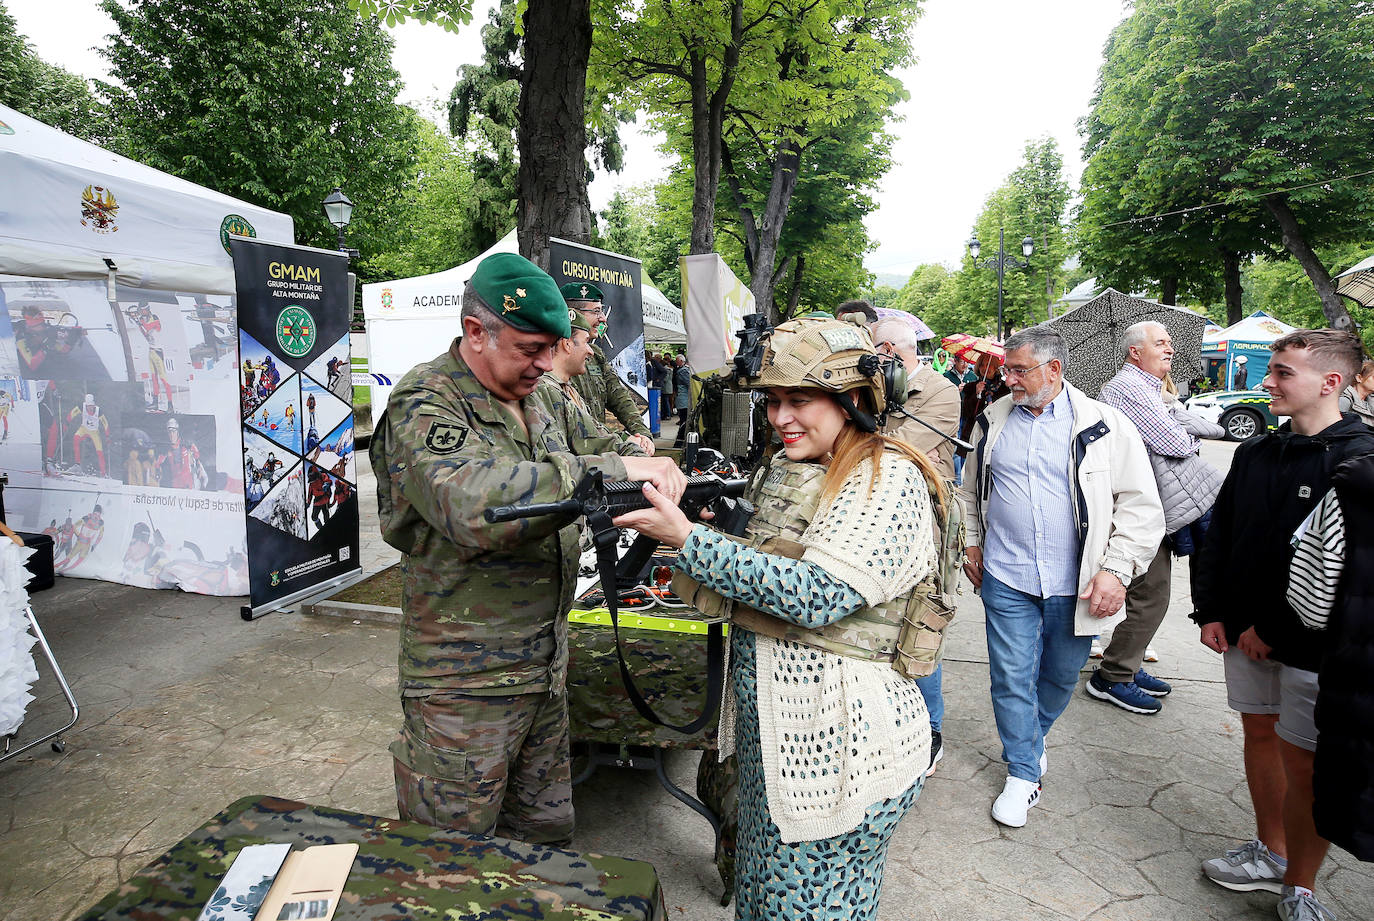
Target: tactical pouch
[[921, 641]]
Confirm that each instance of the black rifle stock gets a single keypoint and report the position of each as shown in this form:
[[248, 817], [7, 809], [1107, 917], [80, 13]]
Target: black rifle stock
[[594, 495]]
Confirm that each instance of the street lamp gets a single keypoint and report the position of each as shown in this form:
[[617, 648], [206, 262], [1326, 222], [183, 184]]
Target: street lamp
[[339, 209], [1001, 262]]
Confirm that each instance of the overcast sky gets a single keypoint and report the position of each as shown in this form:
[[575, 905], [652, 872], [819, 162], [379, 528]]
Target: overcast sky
[[990, 75]]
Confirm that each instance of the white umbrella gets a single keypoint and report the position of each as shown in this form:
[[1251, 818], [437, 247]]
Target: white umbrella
[[1357, 283]]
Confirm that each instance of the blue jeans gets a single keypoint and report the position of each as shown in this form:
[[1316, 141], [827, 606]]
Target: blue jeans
[[1034, 660], [958, 470], [935, 698]]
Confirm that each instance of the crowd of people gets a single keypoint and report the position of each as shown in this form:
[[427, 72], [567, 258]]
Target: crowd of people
[[1073, 508]]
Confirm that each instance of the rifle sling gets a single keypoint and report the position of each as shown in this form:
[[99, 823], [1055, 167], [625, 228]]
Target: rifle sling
[[605, 536]]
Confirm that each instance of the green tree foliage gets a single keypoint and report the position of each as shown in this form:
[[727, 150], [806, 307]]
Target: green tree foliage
[[881, 295], [428, 229], [451, 14], [1031, 203], [46, 92], [1043, 197], [1282, 289], [1259, 108], [273, 101], [484, 109], [917, 296], [787, 99]]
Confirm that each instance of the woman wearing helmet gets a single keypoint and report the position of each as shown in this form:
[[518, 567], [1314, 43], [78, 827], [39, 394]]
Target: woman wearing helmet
[[832, 741]]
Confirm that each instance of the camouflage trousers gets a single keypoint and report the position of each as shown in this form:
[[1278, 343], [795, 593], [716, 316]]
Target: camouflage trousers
[[487, 765]]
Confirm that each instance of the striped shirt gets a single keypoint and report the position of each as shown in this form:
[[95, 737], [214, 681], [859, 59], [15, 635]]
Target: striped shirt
[[1138, 394], [1031, 543], [1318, 561]]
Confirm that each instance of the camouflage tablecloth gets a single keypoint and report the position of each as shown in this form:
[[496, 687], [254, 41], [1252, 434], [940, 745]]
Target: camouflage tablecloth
[[403, 871], [668, 666]]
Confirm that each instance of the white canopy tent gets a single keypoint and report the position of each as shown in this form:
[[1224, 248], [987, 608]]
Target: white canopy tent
[[410, 320], [127, 360], [67, 206], [662, 320]]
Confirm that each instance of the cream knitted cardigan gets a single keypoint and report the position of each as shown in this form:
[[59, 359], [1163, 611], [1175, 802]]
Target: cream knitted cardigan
[[839, 734]]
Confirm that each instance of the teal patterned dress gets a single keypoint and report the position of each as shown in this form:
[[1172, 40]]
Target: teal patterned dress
[[835, 878]]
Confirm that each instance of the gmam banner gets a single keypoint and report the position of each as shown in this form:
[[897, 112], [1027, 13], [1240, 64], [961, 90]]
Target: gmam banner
[[296, 418]]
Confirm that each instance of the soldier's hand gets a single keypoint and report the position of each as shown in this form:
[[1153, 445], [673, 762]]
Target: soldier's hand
[[645, 442], [663, 520], [661, 471]]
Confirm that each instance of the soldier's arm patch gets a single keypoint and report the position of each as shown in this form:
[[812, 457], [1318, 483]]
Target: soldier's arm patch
[[445, 437]]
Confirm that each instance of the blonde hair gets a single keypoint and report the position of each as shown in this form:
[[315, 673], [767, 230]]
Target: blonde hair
[[853, 446]]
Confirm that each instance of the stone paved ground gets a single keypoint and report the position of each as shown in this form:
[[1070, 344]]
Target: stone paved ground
[[185, 707]]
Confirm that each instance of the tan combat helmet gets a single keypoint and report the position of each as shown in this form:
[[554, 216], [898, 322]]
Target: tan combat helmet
[[822, 352]]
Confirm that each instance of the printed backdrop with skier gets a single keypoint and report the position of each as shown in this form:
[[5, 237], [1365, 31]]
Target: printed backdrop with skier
[[113, 435]]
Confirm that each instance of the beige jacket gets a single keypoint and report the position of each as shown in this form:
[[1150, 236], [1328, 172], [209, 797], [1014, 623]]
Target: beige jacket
[[934, 399], [1115, 501]]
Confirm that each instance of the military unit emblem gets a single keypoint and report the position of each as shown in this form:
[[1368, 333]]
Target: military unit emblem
[[234, 223], [508, 304], [296, 331], [445, 437], [386, 299], [98, 209], [584, 290]]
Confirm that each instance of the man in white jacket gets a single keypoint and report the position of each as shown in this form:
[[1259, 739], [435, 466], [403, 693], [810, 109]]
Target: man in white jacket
[[1062, 514]]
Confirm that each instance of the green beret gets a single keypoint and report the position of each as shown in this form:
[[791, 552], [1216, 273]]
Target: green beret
[[580, 291], [578, 321], [521, 294]]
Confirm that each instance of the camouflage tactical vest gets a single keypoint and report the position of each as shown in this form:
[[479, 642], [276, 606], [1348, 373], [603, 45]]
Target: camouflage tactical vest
[[905, 631]]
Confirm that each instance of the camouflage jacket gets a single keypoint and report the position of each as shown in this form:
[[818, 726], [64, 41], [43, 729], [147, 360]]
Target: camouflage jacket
[[484, 605], [564, 399], [602, 389]]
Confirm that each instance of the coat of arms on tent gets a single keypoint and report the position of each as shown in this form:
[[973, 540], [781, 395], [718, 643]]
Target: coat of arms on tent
[[98, 209]]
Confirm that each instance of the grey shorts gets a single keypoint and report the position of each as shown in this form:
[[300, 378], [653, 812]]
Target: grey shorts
[[1271, 687]]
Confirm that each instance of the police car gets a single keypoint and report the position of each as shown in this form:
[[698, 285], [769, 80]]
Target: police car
[[1244, 414]]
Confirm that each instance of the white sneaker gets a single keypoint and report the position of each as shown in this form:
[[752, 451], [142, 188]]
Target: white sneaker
[[1151, 655], [1096, 651], [1044, 762], [1018, 796]]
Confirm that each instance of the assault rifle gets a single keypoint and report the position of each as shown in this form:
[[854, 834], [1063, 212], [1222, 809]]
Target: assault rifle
[[594, 495], [600, 502], [594, 498]]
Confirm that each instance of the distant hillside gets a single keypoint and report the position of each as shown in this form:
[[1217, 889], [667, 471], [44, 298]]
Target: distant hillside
[[889, 278]]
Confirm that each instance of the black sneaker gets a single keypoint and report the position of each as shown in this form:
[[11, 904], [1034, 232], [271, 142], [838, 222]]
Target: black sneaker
[[937, 750]]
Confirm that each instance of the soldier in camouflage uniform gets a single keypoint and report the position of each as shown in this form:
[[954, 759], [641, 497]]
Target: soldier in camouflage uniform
[[484, 746], [570, 358], [601, 387]]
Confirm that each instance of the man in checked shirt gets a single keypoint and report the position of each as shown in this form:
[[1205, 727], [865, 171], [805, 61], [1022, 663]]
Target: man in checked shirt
[[1187, 485]]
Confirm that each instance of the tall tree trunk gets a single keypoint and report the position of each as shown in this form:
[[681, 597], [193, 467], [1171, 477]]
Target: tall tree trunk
[[1230, 272], [708, 120], [1333, 305], [552, 179], [1168, 290], [764, 279], [793, 299]]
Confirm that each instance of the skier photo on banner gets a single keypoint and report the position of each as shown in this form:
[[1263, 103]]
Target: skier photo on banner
[[86, 537], [150, 326], [179, 466]]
